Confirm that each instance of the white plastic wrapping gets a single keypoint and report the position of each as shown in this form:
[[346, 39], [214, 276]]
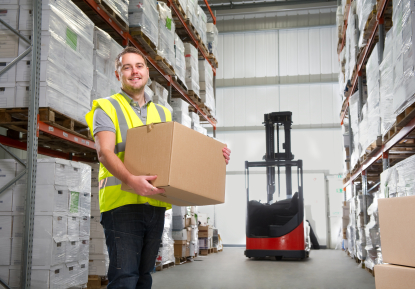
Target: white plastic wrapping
[[403, 55], [106, 50], [387, 114], [364, 9], [165, 47], [212, 36], [119, 7], [179, 104], [192, 68], [166, 251], [201, 24], [191, 12], [183, 118], [144, 14], [351, 43], [180, 61], [206, 84], [354, 119]]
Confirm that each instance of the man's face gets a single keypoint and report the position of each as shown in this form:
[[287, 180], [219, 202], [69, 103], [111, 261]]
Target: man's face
[[133, 73]]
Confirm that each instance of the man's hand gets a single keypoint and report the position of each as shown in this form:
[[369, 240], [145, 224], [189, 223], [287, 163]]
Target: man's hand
[[142, 186], [226, 154]]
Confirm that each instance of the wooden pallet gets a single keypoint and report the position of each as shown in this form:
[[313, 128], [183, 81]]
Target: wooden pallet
[[145, 42], [162, 62], [15, 120], [161, 267], [96, 18], [205, 252], [215, 250], [97, 282], [371, 271], [180, 9], [203, 47], [183, 260], [212, 59], [391, 133], [372, 150], [406, 116], [182, 85]]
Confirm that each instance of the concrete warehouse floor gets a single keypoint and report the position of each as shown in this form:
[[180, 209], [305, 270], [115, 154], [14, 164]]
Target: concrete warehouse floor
[[325, 269]]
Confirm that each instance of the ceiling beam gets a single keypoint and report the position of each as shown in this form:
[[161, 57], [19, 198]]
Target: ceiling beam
[[247, 5]]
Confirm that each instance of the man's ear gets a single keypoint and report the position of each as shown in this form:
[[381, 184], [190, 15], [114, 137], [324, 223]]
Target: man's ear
[[117, 75]]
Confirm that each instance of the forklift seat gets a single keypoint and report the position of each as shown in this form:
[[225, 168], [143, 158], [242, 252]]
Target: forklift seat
[[262, 216]]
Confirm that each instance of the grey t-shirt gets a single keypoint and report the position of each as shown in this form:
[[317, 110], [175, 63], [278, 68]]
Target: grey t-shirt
[[102, 121]]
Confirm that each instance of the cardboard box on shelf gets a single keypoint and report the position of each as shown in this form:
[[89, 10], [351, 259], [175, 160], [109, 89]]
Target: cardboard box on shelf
[[84, 242], [189, 165], [18, 226], [396, 220], [48, 278], [6, 200], [47, 227], [205, 231], [96, 229], [6, 226], [7, 79], [72, 249], [19, 198], [392, 276]]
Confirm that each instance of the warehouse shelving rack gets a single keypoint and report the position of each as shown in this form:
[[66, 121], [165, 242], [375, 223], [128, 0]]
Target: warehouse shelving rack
[[387, 153], [35, 126]]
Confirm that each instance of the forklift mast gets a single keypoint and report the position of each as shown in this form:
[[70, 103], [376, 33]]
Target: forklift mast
[[272, 122]]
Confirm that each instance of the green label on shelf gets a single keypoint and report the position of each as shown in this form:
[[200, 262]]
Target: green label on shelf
[[168, 23], [74, 202], [71, 38], [339, 191]]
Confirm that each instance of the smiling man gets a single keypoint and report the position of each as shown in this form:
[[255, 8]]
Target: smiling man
[[133, 223]]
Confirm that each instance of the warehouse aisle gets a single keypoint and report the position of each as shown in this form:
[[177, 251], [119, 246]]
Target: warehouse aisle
[[326, 269]]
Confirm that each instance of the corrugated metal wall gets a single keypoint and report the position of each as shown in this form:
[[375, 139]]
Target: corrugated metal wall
[[276, 20], [311, 104], [306, 51]]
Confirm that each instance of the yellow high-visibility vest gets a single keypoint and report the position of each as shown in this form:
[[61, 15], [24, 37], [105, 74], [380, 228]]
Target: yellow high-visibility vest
[[123, 116]]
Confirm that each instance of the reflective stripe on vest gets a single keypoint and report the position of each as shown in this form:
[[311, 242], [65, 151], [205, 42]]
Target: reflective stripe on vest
[[124, 117]]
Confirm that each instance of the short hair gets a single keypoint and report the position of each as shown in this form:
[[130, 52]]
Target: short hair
[[128, 49]]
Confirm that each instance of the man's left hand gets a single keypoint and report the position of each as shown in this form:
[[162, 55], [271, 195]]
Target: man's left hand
[[226, 154]]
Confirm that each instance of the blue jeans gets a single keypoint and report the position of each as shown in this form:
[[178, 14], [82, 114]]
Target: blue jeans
[[133, 237]]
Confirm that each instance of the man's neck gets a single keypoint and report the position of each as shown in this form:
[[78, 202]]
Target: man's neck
[[137, 96]]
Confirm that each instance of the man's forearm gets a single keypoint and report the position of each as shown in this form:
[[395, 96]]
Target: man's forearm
[[115, 166]]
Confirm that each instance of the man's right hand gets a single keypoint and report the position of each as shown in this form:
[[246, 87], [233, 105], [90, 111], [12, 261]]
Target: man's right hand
[[142, 186]]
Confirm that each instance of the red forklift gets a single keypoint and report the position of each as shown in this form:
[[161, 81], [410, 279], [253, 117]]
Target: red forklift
[[277, 229]]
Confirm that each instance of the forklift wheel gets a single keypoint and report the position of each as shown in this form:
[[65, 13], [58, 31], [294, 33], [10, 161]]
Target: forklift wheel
[[278, 258]]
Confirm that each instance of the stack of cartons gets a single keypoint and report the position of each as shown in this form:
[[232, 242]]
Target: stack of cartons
[[160, 95], [61, 224], [180, 62], [212, 36], [106, 50], [165, 47], [12, 218], [373, 247], [166, 250], [144, 15], [98, 254], [396, 221], [205, 239], [201, 24], [181, 112], [8, 51], [119, 7], [192, 68], [345, 219], [351, 229], [184, 232], [206, 84], [66, 69], [196, 123], [181, 232], [362, 203]]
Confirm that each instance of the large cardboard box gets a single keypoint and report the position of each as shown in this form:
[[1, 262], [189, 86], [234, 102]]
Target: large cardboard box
[[189, 166], [396, 223], [392, 276]]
